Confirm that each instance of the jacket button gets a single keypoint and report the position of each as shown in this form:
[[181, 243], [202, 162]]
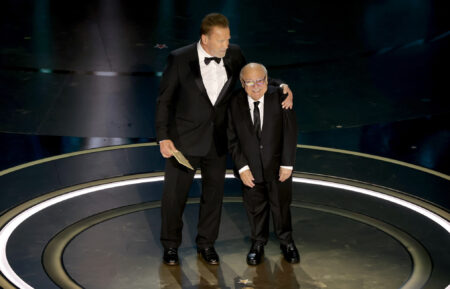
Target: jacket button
[[261, 147]]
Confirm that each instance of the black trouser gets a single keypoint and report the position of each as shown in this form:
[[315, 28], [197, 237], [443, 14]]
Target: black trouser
[[266, 197], [177, 182]]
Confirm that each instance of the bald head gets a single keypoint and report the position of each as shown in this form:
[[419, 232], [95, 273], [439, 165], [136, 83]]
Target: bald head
[[252, 66], [254, 80]]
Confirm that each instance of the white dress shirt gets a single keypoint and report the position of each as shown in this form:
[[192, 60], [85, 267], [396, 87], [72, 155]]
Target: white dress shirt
[[251, 104], [214, 74]]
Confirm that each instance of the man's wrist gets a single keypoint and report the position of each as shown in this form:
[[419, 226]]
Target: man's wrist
[[287, 167], [244, 168]]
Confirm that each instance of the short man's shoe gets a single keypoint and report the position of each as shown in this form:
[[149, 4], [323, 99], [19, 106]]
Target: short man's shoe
[[255, 254], [290, 253], [209, 255], [170, 256]]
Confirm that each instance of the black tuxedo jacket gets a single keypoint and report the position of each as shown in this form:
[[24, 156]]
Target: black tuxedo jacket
[[184, 113], [278, 138]]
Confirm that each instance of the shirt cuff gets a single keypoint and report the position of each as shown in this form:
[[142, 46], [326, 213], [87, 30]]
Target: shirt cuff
[[287, 167], [244, 168]]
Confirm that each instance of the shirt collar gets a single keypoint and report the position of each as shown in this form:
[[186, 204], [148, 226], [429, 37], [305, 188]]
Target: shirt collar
[[251, 100], [201, 52]]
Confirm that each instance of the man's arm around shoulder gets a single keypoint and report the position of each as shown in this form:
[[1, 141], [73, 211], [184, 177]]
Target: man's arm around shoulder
[[289, 146]]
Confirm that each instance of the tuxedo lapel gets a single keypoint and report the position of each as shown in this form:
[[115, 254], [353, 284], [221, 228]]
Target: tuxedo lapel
[[227, 64], [270, 103], [245, 112], [195, 69], [267, 106]]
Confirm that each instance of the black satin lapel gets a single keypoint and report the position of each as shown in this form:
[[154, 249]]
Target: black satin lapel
[[269, 103], [195, 68], [223, 91], [245, 111], [226, 86], [227, 64]]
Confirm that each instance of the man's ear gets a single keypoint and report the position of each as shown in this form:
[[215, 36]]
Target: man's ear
[[204, 38]]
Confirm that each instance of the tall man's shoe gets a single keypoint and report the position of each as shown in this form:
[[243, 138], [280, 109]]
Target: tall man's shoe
[[255, 254], [170, 256], [209, 255], [290, 253]]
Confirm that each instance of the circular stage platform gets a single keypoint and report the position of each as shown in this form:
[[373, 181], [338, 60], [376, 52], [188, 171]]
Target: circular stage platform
[[94, 229]]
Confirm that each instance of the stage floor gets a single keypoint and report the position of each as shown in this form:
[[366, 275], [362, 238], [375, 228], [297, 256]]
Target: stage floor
[[92, 220]]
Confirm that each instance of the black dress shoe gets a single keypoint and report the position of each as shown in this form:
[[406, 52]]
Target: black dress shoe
[[255, 254], [209, 255], [170, 256], [290, 253]]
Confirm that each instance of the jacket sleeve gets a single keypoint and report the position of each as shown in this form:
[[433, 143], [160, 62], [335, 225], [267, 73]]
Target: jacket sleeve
[[234, 145], [274, 82], [290, 131], [166, 99]]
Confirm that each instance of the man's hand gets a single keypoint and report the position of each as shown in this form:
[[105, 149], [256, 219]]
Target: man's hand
[[247, 178], [284, 174], [289, 101], [167, 148]]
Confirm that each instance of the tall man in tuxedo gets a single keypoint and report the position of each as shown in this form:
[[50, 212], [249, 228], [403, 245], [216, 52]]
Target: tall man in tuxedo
[[262, 141], [191, 117]]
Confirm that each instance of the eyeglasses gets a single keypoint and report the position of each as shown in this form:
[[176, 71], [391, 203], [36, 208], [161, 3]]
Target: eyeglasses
[[258, 82]]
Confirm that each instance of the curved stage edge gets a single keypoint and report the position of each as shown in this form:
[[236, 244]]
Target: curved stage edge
[[393, 213]]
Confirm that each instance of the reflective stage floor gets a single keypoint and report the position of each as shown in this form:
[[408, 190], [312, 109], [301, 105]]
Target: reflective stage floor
[[85, 227], [81, 176]]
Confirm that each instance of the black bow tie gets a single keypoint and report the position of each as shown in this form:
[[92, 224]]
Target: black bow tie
[[209, 59]]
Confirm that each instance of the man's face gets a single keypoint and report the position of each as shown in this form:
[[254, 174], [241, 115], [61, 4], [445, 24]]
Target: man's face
[[254, 81], [216, 41]]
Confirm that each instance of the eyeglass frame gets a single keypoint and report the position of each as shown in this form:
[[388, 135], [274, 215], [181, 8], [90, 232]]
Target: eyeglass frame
[[257, 82]]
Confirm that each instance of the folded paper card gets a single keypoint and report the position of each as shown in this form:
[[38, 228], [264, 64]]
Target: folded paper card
[[181, 159]]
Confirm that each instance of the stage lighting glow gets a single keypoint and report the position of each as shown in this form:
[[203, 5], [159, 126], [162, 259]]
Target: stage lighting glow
[[428, 214], [105, 73], [9, 228], [15, 222]]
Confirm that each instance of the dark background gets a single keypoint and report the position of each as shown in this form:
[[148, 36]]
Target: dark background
[[368, 76]]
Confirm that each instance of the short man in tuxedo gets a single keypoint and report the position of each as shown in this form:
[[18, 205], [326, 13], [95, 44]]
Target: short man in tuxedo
[[190, 117], [262, 140]]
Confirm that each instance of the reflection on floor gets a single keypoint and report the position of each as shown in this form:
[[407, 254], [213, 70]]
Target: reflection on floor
[[113, 232]]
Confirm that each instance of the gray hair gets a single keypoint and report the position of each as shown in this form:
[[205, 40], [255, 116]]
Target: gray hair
[[253, 65]]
